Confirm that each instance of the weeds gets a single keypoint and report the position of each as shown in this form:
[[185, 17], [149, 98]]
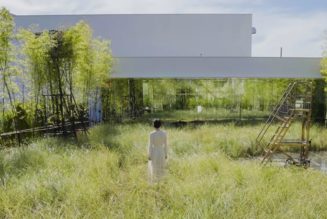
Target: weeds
[[52, 178]]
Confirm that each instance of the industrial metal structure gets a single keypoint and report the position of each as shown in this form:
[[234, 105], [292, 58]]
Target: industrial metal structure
[[295, 104]]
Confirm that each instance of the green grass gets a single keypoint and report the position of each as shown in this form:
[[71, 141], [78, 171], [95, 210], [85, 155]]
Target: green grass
[[234, 140], [105, 176]]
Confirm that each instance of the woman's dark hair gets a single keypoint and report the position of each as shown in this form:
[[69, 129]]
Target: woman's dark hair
[[157, 123]]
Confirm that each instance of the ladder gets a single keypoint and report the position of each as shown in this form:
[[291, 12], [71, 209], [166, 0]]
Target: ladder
[[295, 104]]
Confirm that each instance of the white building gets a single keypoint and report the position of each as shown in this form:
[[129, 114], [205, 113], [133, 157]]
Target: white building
[[181, 45]]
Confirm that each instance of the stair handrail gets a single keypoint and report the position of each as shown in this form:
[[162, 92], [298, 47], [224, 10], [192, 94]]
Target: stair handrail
[[279, 135], [274, 112]]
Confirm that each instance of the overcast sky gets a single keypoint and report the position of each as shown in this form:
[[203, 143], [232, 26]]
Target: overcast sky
[[299, 26]]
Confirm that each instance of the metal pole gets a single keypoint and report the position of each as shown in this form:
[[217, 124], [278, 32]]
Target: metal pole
[[281, 52]]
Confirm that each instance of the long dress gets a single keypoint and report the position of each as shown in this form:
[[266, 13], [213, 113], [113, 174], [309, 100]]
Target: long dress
[[158, 151]]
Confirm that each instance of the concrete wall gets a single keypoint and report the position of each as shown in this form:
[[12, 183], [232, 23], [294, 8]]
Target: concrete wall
[[181, 45], [217, 67], [141, 35]]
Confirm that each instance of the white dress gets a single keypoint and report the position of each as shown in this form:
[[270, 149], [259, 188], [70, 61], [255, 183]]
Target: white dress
[[158, 151]]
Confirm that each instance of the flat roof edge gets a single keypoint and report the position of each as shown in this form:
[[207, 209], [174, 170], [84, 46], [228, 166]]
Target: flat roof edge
[[145, 14], [218, 67]]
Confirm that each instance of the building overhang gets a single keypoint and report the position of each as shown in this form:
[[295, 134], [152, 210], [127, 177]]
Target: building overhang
[[216, 67]]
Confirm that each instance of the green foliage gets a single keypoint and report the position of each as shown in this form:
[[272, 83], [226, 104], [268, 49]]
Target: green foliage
[[91, 61], [324, 64], [6, 37], [21, 117], [36, 49], [319, 101], [249, 94], [65, 68], [324, 74], [8, 72], [57, 64], [324, 70]]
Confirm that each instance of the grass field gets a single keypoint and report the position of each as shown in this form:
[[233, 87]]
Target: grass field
[[234, 140], [105, 176]]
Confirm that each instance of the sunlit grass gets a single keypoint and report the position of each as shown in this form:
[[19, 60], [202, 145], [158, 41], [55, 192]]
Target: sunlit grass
[[232, 139], [106, 177]]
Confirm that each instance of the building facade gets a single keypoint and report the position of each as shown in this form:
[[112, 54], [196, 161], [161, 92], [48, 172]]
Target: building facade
[[181, 45]]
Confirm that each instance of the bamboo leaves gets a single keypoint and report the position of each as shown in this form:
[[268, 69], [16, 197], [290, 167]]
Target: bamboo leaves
[[6, 53], [324, 67], [92, 60], [35, 48], [83, 62]]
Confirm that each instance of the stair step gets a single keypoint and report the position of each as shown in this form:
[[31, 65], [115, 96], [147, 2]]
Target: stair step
[[268, 151], [280, 118], [304, 142], [280, 132], [277, 134], [301, 109]]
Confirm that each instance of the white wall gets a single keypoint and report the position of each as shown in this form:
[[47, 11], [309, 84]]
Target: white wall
[[217, 67], [137, 35]]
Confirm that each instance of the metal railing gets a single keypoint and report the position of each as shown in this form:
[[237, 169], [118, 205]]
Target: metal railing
[[291, 101]]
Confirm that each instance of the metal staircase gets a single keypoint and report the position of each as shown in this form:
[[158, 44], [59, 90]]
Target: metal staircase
[[294, 105]]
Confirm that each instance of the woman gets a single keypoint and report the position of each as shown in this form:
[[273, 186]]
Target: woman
[[157, 153]]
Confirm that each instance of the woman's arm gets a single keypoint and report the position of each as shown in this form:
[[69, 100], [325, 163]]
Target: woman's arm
[[166, 147], [150, 148]]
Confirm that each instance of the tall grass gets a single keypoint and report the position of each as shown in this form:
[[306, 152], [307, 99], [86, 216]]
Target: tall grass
[[234, 140], [106, 177]]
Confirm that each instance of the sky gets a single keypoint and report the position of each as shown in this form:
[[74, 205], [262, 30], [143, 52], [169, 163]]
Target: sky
[[298, 26]]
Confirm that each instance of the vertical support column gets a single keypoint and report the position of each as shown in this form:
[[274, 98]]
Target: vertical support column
[[132, 99], [135, 97], [308, 125], [106, 100], [3, 107], [303, 139], [318, 101]]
